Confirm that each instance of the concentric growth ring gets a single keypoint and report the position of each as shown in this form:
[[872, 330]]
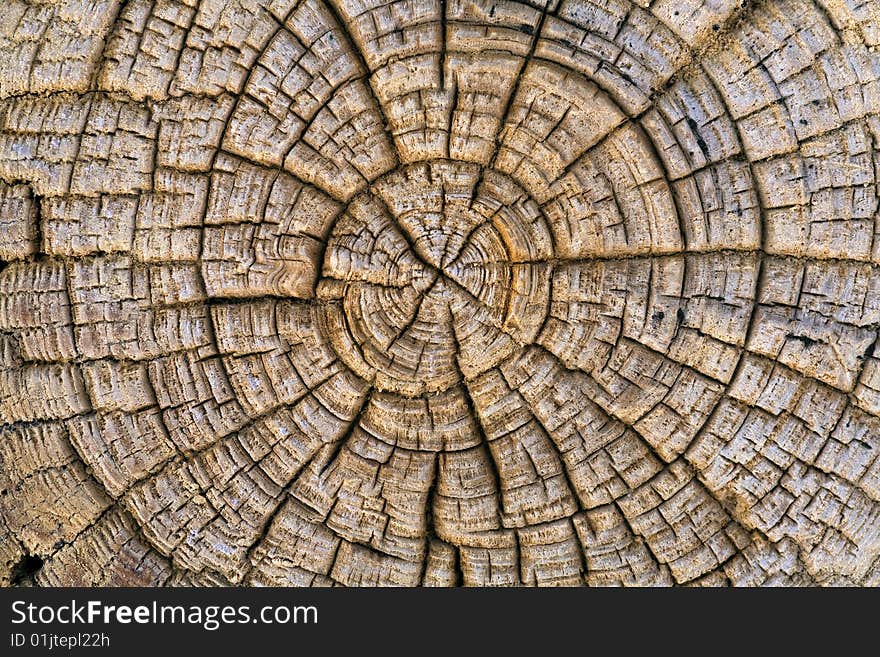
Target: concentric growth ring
[[431, 277], [477, 292]]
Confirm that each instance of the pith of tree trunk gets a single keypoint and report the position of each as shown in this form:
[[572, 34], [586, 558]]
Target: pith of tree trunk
[[439, 292]]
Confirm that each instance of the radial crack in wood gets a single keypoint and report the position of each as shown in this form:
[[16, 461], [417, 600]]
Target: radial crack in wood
[[442, 293]]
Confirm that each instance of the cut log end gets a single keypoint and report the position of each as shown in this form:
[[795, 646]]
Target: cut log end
[[449, 294]]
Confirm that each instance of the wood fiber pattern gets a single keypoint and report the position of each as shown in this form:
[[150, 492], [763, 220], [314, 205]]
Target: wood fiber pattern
[[439, 292]]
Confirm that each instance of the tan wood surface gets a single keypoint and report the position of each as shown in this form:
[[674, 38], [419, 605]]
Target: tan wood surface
[[441, 292]]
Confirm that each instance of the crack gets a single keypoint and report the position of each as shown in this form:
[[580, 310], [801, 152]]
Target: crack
[[478, 425], [355, 50]]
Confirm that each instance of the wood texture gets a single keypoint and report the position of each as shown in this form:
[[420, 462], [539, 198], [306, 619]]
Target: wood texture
[[439, 292]]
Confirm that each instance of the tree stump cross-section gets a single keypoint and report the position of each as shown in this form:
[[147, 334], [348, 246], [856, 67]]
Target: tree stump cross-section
[[439, 292]]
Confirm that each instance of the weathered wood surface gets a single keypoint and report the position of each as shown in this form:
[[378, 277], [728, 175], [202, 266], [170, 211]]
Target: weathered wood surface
[[439, 292]]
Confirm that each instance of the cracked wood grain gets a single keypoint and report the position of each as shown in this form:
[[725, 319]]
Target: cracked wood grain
[[439, 292]]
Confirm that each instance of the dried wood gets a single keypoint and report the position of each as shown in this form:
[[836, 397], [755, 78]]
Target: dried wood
[[439, 292]]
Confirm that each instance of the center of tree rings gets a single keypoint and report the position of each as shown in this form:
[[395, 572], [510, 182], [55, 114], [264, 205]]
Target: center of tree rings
[[437, 273]]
